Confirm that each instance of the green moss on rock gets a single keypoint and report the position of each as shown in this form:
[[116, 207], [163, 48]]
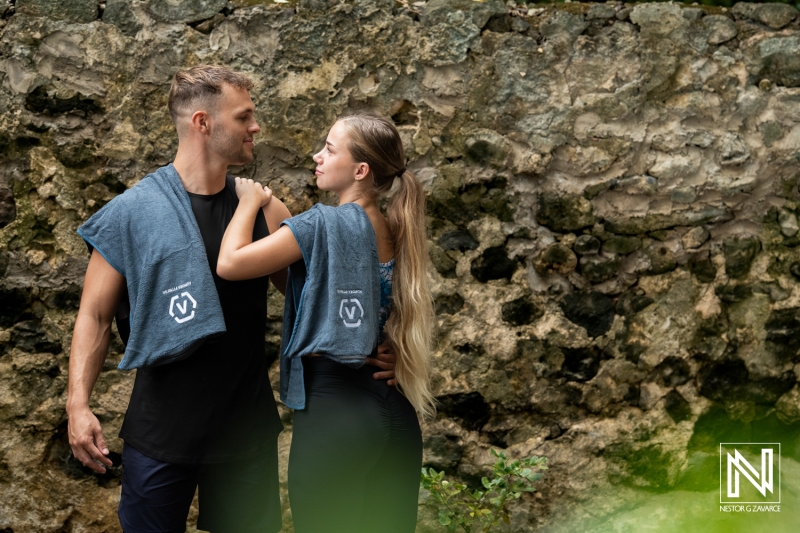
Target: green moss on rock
[[739, 255], [564, 212]]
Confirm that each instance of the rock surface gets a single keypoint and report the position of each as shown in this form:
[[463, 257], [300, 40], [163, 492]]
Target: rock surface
[[612, 197]]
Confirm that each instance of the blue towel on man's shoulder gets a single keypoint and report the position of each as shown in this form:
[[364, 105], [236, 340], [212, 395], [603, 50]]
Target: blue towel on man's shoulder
[[150, 236]]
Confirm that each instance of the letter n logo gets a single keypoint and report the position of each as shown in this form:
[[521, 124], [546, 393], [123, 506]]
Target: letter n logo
[[740, 481]]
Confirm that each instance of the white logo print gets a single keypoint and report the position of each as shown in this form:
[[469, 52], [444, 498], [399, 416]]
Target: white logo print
[[181, 304], [351, 312], [738, 464], [765, 480]]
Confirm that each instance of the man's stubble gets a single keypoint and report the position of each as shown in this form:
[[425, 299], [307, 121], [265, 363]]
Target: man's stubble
[[229, 147]]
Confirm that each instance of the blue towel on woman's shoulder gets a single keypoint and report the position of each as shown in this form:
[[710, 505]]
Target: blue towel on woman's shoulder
[[150, 236], [332, 295]]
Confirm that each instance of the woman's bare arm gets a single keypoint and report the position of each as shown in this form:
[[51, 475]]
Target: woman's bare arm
[[241, 258], [276, 212]]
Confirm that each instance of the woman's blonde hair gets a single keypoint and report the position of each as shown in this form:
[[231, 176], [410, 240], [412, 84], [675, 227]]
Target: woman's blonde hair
[[375, 141]]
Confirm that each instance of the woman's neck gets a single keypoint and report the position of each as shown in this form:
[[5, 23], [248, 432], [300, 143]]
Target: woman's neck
[[354, 197]]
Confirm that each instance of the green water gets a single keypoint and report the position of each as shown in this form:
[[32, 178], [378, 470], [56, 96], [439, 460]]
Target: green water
[[687, 512]]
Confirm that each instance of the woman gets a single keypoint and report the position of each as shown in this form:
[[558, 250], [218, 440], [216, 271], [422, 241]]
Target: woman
[[353, 274]]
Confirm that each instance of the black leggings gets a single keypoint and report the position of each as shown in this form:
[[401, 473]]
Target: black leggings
[[356, 454]]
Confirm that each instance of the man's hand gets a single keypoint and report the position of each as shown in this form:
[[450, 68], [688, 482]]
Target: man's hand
[[386, 360], [86, 439], [249, 190]]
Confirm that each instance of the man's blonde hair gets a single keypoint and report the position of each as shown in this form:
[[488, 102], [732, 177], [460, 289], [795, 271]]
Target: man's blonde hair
[[202, 84]]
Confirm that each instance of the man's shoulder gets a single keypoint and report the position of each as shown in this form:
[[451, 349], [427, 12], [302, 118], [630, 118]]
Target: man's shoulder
[[144, 189], [136, 207]]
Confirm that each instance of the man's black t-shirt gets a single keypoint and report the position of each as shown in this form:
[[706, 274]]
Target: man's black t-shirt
[[217, 404]]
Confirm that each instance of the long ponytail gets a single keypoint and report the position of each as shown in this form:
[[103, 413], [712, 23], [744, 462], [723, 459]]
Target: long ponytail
[[411, 322], [410, 326]]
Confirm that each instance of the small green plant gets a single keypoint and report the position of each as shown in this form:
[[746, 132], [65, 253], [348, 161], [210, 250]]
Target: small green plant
[[475, 511]]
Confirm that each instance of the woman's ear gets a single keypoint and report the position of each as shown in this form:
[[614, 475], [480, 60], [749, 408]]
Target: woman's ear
[[362, 171]]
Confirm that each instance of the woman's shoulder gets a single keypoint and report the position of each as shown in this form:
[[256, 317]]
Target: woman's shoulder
[[346, 217], [317, 211], [329, 212]]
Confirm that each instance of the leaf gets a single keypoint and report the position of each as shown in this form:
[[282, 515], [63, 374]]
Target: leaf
[[463, 509]]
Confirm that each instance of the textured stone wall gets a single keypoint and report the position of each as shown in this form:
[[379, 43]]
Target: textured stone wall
[[613, 200]]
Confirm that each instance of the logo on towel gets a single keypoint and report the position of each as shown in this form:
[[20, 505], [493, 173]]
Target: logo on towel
[[179, 307], [351, 312]]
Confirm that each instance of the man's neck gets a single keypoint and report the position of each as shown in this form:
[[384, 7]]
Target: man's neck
[[199, 173]]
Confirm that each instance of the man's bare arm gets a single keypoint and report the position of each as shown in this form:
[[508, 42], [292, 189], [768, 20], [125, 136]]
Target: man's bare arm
[[103, 287]]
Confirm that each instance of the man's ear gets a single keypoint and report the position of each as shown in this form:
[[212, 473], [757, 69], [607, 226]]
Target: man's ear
[[362, 171], [201, 122]]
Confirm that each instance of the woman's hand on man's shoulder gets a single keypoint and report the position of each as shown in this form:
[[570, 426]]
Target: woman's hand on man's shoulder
[[248, 190]]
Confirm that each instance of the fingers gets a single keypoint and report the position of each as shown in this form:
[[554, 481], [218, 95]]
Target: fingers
[[86, 460], [246, 187], [90, 455], [386, 357], [385, 365], [388, 370], [388, 375], [247, 182], [385, 348], [87, 442], [101, 446]]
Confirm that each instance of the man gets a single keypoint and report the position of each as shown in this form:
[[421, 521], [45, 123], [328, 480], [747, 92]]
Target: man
[[208, 420]]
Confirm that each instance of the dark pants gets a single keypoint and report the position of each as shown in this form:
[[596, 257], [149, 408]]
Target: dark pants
[[356, 454], [236, 497]]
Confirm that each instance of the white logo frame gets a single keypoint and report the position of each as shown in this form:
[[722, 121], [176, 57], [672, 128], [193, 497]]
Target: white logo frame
[[733, 465], [350, 311], [173, 304]]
